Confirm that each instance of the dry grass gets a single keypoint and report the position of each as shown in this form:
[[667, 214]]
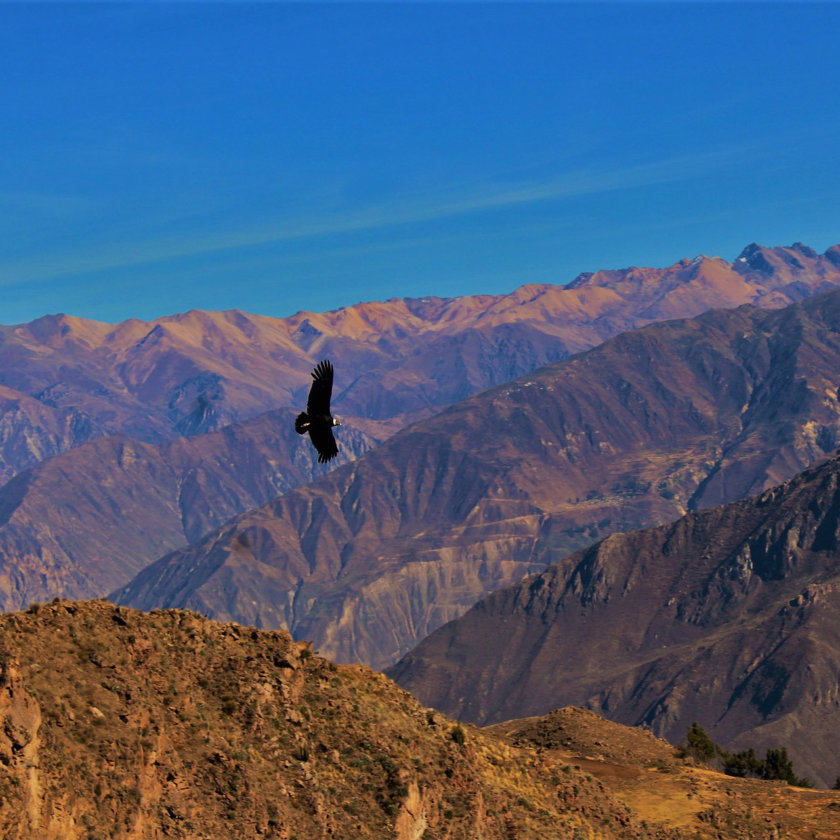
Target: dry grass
[[118, 724], [665, 791]]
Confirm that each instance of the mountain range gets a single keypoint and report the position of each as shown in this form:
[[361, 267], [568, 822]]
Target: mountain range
[[728, 616], [81, 520], [485, 439], [373, 557], [66, 380], [89, 519]]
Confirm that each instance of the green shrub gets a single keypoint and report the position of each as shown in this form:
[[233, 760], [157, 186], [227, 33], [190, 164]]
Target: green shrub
[[387, 764], [776, 766], [699, 745], [743, 764]]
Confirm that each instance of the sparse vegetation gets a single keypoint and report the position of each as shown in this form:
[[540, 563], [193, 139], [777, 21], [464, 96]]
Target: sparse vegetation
[[699, 745], [775, 766], [290, 750]]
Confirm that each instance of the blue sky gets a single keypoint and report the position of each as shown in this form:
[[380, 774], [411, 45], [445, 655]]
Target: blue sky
[[274, 157]]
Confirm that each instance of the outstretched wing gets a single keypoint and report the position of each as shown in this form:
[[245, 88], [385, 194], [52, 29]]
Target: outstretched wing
[[321, 391], [324, 442]]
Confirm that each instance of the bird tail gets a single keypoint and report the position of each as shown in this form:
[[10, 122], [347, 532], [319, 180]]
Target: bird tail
[[302, 423]]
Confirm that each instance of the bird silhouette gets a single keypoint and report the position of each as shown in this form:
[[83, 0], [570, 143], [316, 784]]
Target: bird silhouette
[[317, 419]]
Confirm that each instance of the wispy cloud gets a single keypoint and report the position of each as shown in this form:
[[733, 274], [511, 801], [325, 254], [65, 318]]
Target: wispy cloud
[[401, 211]]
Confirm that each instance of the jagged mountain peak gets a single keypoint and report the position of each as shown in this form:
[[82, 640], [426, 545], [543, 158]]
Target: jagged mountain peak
[[727, 616], [805, 250]]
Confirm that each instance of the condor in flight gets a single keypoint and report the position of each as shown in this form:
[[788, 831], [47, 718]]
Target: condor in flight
[[317, 419]]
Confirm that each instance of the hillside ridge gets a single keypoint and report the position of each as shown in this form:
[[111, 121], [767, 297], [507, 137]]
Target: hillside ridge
[[374, 556], [120, 724]]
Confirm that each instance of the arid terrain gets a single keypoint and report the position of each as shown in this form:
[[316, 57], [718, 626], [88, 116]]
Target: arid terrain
[[87, 520], [661, 788], [105, 490], [116, 724], [486, 439]]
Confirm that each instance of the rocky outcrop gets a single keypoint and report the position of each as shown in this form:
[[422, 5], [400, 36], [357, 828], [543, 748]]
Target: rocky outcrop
[[20, 716], [31, 432], [728, 617], [675, 416]]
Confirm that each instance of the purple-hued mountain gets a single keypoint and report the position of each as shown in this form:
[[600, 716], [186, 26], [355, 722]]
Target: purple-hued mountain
[[675, 416], [66, 380], [728, 616]]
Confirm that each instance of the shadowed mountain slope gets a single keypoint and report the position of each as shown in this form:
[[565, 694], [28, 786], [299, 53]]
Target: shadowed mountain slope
[[372, 558], [86, 521], [66, 380], [729, 617]]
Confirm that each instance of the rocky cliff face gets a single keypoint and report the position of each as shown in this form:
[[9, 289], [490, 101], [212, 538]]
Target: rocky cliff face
[[86, 521], [32, 431], [372, 558], [66, 380], [728, 617]]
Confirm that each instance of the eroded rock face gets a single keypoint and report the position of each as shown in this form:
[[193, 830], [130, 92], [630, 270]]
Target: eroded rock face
[[32, 431], [728, 617], [88, 520], [673, 417], [20, 722], [411, 822]]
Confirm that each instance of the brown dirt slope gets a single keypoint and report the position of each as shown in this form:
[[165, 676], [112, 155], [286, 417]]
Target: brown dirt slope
[[674, 416], [128, 726], [661, 789]]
